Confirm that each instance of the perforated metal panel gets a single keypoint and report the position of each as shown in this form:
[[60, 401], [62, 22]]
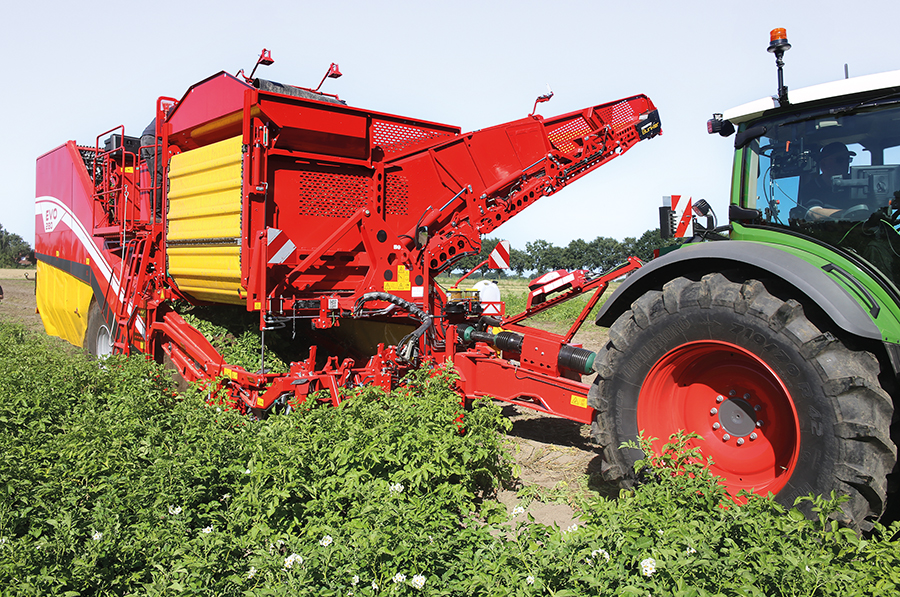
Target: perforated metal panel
[[622, 115], [561, 137], [396, 198], [331, 195], [395, 137]]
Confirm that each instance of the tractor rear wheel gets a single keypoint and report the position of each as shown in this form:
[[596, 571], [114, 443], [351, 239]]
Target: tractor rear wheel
[[98, 338], [780, 406]]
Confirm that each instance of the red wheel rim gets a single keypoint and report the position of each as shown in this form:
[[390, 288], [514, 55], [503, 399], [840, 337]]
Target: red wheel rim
[[735, 402]]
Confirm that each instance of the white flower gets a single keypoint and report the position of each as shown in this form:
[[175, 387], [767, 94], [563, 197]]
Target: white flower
[[518, 510], [325, 541], [247, 472], [659, 532], [374, 586], [98, 535], [418, 581], [399, 578], [807, 568], [291, 559], [396, 488], [174, 510], [691, 550], [206, 530], [599, 553], [277, 545], [252, 572], [227, 496], [355, 580], [529, 579], [571, 529], [648, 566]]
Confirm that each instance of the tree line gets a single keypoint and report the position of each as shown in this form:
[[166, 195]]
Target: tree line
[[539, 256], [14, 250]]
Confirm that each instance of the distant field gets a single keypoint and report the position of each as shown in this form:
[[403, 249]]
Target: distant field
[[17, 273], [514, 292]]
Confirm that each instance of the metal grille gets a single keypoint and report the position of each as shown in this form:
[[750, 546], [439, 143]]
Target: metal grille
[[331, 195], [396, 197], [394, 137], [561, 137], [622, 115]]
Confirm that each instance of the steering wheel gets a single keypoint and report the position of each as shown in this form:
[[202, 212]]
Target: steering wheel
[[855, 214]]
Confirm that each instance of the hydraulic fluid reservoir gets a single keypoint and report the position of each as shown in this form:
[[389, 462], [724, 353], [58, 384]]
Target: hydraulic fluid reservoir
[[489, 295]]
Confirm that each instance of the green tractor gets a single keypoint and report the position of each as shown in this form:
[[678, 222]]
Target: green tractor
[[780, 345]]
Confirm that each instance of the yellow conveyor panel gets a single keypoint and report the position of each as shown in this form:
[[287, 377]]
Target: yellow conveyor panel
[[203, 238]]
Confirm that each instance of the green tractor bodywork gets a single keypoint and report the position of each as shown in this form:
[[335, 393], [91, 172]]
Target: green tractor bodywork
[[779, 345]]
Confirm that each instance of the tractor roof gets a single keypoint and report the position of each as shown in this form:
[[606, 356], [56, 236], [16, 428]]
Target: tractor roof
[[841, 88]]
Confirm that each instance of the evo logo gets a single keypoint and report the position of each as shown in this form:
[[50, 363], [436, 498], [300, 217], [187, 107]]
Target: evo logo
[[52, 216]]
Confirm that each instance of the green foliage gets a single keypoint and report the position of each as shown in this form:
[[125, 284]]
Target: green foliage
[[12, 248], [234, 333], [111, 485]]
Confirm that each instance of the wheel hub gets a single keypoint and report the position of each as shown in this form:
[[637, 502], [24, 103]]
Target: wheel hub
[[736, 416]]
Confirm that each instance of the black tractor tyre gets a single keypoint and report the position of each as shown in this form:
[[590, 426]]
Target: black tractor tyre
[[756, 379], [98, 338]]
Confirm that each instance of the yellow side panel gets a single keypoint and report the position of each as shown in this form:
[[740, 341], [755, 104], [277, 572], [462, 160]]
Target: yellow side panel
[[63, 302], [205, 221], [211, 273]]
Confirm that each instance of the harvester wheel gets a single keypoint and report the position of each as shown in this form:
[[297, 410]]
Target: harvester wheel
[[98, 339], [780, 406]]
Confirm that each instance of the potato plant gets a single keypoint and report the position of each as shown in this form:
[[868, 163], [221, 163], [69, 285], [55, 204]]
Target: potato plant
[[110, 484]]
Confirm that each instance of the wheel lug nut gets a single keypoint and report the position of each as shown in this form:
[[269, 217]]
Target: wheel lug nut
[[757, 408], [753, 435], [716, 426], [713, 411], [726, 437], [720, 398], [740, 441], [746, 396], [732, 393], [759, 423]]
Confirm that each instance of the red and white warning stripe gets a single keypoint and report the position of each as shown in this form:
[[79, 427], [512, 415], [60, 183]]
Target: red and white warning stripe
[[499, 257], [681, 212], [280, 247]]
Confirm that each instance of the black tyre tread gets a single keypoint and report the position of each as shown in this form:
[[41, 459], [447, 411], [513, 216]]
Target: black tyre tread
[[863, 408]]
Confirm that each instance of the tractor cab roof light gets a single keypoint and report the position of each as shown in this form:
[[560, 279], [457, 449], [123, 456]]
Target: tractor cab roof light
[[778, 45]]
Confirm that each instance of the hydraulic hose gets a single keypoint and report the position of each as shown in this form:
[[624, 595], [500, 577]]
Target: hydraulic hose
[[570, 357], [406, 348]]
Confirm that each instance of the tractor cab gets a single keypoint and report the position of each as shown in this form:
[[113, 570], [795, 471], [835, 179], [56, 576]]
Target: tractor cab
[[823, 162], [831, 172]]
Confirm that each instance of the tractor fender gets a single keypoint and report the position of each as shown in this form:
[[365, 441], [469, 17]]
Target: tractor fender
[[709, 257]]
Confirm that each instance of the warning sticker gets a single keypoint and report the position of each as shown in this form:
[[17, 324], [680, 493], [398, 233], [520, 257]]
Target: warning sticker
[[402, 281]]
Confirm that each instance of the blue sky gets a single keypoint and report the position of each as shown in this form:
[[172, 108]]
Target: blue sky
[[76, 69]]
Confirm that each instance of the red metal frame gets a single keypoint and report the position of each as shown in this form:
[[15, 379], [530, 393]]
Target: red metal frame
[[374, 206]]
